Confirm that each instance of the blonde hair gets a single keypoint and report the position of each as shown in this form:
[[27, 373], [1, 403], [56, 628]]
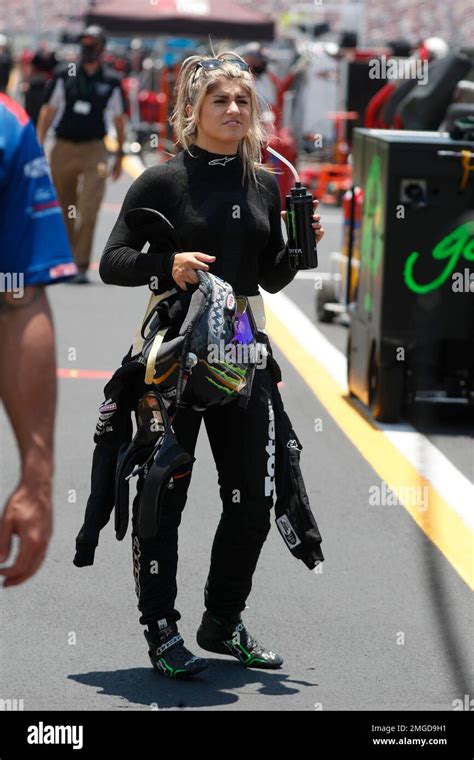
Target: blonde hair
[[251, 146]]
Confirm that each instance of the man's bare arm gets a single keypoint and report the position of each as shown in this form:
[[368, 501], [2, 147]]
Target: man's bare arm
[[116, 170], [45, 119], [120, 122], [28, 392]]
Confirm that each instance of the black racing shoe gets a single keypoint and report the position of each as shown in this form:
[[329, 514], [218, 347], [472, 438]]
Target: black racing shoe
[[169, 655], [225, 637]]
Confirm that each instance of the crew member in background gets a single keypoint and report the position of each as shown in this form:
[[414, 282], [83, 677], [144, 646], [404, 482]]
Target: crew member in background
[[42, 66], [82, 99], [6, 63]]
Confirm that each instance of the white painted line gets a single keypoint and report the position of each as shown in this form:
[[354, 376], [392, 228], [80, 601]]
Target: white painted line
[[307, 274], [431, 463], [310, 337], [326, 218]]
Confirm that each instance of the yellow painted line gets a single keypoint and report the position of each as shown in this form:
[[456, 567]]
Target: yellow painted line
[[130, 164], [132, 167], [439, 522], [111, 143]]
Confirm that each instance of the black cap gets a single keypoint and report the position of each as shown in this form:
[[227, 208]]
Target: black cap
[[94, 31]]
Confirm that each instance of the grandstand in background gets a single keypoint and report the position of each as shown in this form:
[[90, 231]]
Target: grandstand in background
[[25, 21]]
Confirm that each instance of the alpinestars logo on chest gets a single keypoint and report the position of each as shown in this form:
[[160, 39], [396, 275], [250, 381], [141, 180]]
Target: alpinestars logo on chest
[[221, 161]]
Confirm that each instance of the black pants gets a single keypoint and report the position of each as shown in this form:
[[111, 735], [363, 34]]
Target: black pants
[[243, 447]]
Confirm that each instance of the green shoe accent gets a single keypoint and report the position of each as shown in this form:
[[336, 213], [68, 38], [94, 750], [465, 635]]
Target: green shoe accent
[[173, 671], [248, 658], [185, 663], [213, 636]]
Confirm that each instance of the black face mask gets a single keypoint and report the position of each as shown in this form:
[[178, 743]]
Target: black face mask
[[259, 69], [90, 53]]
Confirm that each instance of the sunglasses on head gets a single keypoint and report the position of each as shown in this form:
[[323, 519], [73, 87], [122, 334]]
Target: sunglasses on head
[[210, 64]]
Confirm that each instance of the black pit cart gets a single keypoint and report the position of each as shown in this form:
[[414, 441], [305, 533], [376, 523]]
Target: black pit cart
[[411, 335]]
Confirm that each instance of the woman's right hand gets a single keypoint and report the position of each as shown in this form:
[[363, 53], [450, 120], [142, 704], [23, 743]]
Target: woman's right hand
[[185, 264]]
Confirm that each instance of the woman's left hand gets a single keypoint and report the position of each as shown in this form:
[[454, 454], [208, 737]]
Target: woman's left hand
[[318, 230]]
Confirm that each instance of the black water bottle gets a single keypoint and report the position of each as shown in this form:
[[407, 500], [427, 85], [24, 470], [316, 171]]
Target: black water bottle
[[302, 248]]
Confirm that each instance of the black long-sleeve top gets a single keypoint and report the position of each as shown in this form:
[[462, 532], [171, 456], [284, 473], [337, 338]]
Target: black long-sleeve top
[[212, 212]]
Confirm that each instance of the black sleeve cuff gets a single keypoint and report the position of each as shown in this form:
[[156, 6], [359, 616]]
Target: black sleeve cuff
[[169, 265], [84, 555], [163, 264]]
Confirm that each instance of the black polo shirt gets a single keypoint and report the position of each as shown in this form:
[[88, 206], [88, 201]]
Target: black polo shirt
[[86, 103]]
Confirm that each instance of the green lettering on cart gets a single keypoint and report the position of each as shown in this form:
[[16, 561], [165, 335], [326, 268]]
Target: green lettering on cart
[[371, 244], [458, 243]]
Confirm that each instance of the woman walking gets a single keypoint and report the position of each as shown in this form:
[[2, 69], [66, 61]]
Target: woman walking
[[226, 209]]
